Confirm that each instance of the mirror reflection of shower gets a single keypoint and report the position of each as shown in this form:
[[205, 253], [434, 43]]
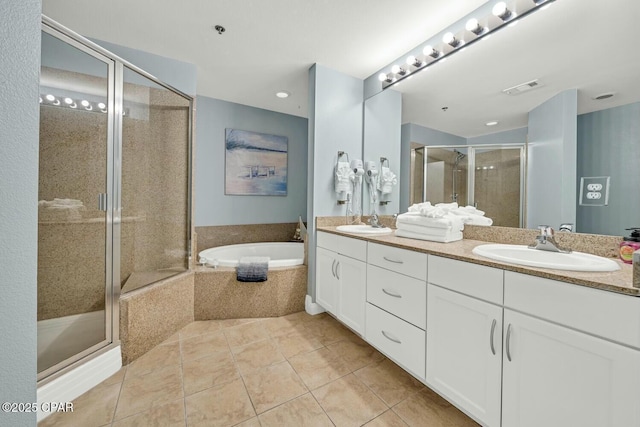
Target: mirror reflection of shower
[[455, 171]]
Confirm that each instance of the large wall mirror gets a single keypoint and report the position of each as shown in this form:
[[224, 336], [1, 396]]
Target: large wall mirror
[[576, 53]]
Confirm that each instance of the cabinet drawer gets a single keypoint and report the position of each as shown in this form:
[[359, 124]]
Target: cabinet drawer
[[401, 295], [353, 248], [606, 314], [411, 263], [472, 279], [399, 340], [327, 240]]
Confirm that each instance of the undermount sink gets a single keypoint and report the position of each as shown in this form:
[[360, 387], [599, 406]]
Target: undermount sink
[[523, 255], [363, 229]]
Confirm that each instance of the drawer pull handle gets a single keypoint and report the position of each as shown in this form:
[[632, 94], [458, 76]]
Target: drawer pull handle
[[333, 268], [493, 329], [391, 294], [391, 337], [508, 341], [393, 260], [337, 267]]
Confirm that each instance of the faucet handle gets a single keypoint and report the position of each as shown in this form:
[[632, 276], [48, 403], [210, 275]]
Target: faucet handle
[[545, 230]]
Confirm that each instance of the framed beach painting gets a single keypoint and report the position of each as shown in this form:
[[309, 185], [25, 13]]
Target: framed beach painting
[[255, 163]]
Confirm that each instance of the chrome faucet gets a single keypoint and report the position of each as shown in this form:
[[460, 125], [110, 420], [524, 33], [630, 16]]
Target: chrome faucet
[[374, 221], [547, 242]]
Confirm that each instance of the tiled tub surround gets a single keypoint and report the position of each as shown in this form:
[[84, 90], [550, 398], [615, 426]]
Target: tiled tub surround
[[223, 235], [218, 295]]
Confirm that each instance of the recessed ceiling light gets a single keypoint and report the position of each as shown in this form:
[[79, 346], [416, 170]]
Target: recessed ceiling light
[[282, 94], [491, 123]]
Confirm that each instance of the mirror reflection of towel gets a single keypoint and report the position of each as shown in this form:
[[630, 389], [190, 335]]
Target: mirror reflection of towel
[[252, 269]]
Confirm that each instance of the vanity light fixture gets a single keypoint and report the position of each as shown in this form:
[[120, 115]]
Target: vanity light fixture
[[450, 39], [414, 62], [474, 27], [396, 69], [433, 54], [502, 11]]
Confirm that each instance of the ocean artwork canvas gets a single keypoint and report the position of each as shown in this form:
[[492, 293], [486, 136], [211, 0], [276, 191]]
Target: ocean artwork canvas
[[255, 163]]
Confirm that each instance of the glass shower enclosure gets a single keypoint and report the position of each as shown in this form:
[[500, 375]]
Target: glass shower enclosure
[[489, 177], [114, 193]]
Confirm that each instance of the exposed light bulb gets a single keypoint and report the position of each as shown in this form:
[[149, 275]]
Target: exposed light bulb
[[88, 107], [395, 69], [474, 26], [382, 77], [430, 51], [501, 11], [282, 94], [68, 101], [50, 98], [102, 106], [84, 103], [412, 60], [56, 102], [73, 105], [448, 38]]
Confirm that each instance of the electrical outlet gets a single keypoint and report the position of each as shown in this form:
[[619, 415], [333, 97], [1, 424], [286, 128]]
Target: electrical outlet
[[594, 191]]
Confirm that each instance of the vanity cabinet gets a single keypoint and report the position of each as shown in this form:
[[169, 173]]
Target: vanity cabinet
[[464, 337], [341, 273]]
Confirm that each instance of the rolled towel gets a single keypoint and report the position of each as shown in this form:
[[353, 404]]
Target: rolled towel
[[450, 237], [343, 178], [252, 269], [417, 206], [387, 180], [447, 206]]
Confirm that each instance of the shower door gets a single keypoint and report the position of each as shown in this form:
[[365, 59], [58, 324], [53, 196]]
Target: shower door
[[75, 203]]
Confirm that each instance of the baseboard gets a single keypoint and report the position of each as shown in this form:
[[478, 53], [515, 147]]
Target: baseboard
[[80, 380], [311, 307]]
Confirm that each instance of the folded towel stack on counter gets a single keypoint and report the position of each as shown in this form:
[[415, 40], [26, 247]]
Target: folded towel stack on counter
[[443, 222]]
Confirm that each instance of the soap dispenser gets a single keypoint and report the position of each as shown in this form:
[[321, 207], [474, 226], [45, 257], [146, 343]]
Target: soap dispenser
[[629, 245]]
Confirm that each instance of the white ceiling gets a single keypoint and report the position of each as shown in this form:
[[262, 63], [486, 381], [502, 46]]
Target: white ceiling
[[269, 46]]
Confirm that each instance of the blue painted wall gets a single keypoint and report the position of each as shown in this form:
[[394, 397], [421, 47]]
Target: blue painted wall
[[513, 136], [609, 145], [19, 127], [212, 206]]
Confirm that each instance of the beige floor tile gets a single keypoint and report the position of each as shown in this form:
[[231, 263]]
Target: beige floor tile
[[356, 352], [173, 338], [167, 415], [349, 402], [303, 316], [257, 355], [116, 378], [388, 419], [328, 331], [319, 367], [246, 334], [140, 393], [230, 323], [278, 326], [200, 327], [303, 411], [252, 422], [224, 405], [158, 357], [203, 345], [297, 343], [273, 385], [427, 408], [215, 369], [93, 409], [388, 381]]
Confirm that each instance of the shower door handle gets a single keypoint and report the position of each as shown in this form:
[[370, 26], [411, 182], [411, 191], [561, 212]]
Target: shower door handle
[[102, 202]]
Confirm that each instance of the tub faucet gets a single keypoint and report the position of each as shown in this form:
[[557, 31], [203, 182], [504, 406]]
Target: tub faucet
[[547, 242]]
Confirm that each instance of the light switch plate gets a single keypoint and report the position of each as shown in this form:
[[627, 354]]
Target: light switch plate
[[594, 190]]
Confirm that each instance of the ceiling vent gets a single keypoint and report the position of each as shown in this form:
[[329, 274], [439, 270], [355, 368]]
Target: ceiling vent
[[523, 87]]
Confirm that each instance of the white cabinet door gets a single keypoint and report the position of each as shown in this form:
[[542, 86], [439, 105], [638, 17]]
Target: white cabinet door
[[464, 352], [352, 275], [327, 280], [555, 376]]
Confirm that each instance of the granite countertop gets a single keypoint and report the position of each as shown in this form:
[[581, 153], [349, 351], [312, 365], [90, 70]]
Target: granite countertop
[[616, 281]]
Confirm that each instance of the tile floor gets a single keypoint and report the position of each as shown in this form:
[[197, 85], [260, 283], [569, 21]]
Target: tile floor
[[296, 370]]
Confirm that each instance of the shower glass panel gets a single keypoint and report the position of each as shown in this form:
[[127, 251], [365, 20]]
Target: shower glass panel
[[155, 156], [73, 236], [446, 175], [416, 191], [498, 183]]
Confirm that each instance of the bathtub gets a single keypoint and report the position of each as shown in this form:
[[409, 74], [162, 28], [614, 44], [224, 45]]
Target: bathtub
[[281, 254]]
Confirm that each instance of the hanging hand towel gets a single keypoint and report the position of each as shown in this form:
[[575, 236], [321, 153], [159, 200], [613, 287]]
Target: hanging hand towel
[[343, 177], [387, 181]]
